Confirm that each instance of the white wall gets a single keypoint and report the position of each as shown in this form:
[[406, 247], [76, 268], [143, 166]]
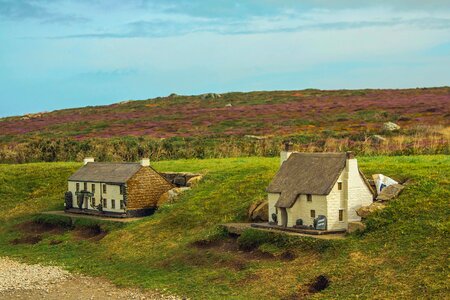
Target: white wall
[[358, 192], [336, 200], [272, 199], [302, 209], [112, 192]]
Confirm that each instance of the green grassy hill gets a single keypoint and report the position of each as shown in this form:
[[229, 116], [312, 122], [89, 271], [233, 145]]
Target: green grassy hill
[[402, 255]]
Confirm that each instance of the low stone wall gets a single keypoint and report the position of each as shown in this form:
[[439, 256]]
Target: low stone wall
[[181, 179]]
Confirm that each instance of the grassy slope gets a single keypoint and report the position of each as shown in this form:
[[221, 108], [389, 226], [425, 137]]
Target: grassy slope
[[402, 255]]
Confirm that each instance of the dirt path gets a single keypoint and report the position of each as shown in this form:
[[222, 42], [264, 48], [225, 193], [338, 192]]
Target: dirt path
[[23, 281]]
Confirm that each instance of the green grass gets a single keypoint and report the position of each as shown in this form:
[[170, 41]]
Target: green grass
[[403, 254]]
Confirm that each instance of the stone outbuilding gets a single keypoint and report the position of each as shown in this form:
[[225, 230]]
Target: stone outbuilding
[[317, 191], [115, 189]]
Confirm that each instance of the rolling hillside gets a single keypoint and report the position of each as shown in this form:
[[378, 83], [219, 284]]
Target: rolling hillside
[[235, 124], [402, 255], [238, 114]]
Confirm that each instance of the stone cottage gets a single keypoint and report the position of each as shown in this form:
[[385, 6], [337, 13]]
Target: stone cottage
[[317, 191], [115, 189]]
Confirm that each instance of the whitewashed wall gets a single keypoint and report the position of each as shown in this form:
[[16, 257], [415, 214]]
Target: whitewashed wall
[[336, 200], [272, 200], [302, 209], [112, 192], [358, 192]]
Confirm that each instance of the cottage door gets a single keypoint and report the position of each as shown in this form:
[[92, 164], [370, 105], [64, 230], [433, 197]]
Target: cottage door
[[284, 217]]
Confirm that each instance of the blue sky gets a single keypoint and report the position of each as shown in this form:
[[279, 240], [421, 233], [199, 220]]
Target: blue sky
[[70, 53]]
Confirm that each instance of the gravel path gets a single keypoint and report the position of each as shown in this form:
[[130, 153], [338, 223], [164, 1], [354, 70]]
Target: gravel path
[[23, 281]]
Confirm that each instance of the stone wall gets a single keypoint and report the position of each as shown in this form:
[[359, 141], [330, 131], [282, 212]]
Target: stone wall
[[180, 179], [145, 188]]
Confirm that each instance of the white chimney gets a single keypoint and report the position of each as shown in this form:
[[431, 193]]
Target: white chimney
[[88, 160], [145, 162], [286, 152]]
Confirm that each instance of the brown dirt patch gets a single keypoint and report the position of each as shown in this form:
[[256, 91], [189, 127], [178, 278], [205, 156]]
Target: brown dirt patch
[[94, 233], [288, 255], [28, 239], [32, 227], [316, 285], [230, 245], [55, 242]]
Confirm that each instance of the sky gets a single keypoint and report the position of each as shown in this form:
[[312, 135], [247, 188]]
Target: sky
[[69, 53]]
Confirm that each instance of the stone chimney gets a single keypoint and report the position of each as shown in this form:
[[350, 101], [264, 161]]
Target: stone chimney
[[145, 162], [286, 152], [88, 160]]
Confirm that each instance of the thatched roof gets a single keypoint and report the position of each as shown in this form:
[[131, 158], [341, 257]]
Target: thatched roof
[[106, 172], [306, 173]]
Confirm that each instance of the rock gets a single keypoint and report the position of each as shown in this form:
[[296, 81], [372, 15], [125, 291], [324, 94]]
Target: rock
[[175, 192], [261, 213], [390, 192], [255, 137], [194, 181], [389, 126], [252, 208], [229, 105], [163, 199], [364, 211], [378, 139], [355, 226], [210, 96]]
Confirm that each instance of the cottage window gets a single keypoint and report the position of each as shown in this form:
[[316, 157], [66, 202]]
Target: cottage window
[[122, 188], [105, 203], [113, 204], [93, 188], [341, 215], [313, 213], [339, 185], [122, 206], [309, 197], [78, 187], [93, 201], [85, 186], [104, 188]]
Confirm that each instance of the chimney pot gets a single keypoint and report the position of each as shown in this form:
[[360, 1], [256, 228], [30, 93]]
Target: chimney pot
[[145, 162], [88, 160], [288, 145], [350, 155]]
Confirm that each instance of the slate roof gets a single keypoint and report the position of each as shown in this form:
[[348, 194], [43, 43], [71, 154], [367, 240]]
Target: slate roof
[[106, 172], [306, 173]]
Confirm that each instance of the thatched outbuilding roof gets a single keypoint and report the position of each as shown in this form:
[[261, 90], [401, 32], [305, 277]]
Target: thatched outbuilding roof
[[306, 173]]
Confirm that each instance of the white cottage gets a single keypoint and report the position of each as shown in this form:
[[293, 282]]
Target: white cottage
[[313, 186], [115, 189]]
